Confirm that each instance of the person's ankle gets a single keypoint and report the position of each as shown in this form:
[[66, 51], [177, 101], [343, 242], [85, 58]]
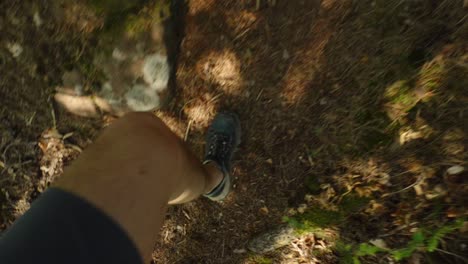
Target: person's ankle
[[215, 176]]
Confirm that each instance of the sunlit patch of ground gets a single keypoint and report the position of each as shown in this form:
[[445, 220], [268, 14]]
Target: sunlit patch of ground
[[306, 63], [197, 6], [338, 99], [223, 69]]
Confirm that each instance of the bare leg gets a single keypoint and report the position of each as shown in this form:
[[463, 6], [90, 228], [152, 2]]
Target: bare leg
[[133, 170]]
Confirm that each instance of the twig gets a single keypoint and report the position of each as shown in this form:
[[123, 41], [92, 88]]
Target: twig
[[259, 94], [419, 180], [214, 98], [222, 251], [452, 254], [54, 120], [29, 122], [241, 34], [188, 130], [182, 109], [186, 215]]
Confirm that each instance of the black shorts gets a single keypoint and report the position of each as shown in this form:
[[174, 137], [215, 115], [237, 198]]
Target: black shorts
[[63, 228]]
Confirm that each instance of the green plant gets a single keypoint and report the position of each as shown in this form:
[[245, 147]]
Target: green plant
[[313, 219], [419, 241], [261, 260], [416, 242], [433, 241], [365, 249]]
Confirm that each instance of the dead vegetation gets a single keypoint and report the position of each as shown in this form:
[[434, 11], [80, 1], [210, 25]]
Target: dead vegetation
[[354, 115]]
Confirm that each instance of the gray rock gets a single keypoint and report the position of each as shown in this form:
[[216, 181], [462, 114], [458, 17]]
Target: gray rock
[[136, 64], [272, 239]]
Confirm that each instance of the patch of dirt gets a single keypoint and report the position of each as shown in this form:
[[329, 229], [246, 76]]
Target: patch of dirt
[[47, 45], [367, 97], [309, 79]]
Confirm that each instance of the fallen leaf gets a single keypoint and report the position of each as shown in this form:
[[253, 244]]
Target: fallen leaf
[[379, 243], [454, 170], [452, 213]]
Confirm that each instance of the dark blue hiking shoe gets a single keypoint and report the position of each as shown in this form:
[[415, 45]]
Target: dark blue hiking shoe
[[222, 139]]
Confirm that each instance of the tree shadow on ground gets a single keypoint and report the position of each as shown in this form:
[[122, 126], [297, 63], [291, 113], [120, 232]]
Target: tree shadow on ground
[[310, 83]]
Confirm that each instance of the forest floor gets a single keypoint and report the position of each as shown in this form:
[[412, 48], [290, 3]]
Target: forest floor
[[354, 118]]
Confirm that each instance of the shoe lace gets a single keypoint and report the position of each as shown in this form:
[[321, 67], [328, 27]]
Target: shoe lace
[[219, 146]]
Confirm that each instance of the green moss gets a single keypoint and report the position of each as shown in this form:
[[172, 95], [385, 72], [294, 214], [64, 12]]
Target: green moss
[[374, 131], [260, 260], [114, 6], [156, 13], [321, 218], [401, 93], [128, 20], [352, 203], [400, 98], [313, 184], [314, 219], [345, 252], [373, 138], [431, 77]]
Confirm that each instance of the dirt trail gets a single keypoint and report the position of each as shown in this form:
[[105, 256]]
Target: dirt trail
[[335, 97], [251, 62], [308, 80]]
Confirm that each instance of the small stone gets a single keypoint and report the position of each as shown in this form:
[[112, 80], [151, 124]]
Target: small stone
[[285, 54], [269, 161], [15, 49], [264, 210], [78, 105], [119, 55], [454, 170], [37, 19], [272, 240], [308, 198], [142, 98], [156, 71], [418, 189], [379, 243], [302, 208]]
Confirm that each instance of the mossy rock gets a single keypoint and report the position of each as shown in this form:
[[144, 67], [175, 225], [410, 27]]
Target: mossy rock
[[272, 239]]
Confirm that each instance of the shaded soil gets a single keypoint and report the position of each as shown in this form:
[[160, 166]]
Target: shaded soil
[[26, 88], [310, 81]]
